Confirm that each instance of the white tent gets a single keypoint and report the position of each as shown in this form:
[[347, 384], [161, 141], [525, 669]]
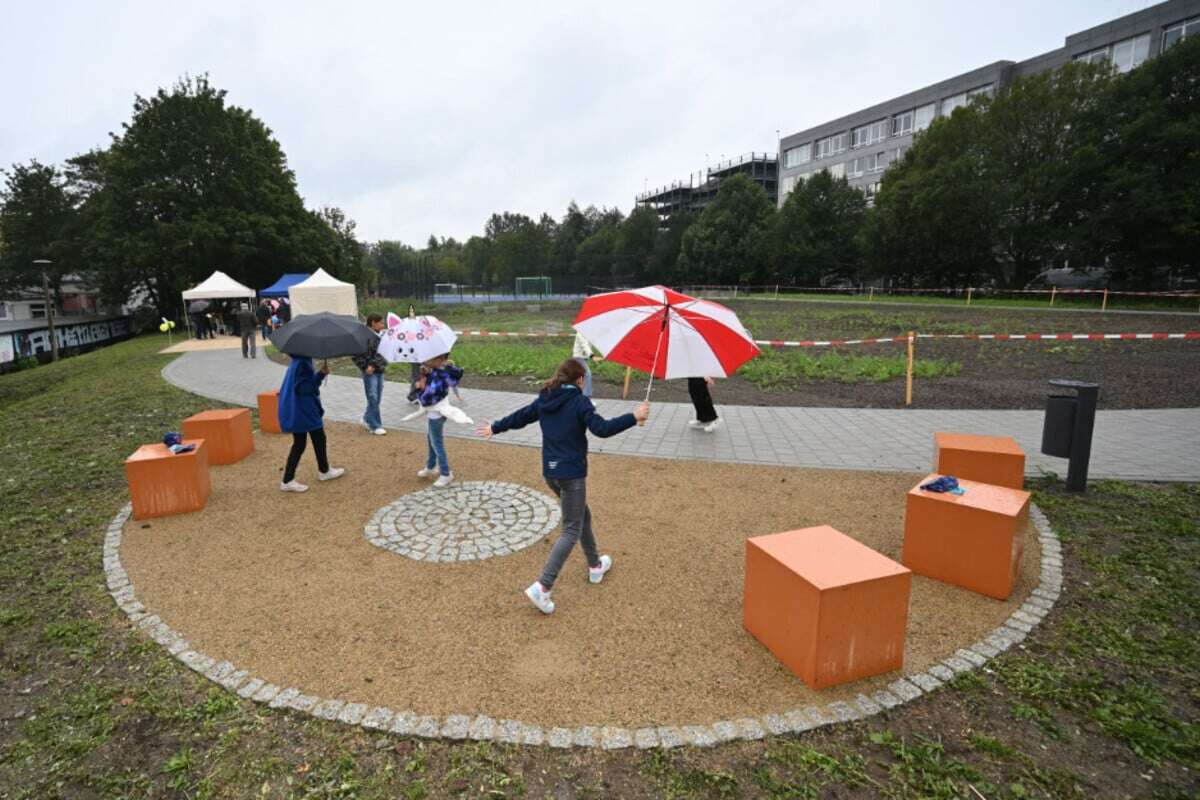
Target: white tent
[[218, 286], [323, 292]]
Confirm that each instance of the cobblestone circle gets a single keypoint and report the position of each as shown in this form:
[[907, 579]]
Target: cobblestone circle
[[907, 687], [464, 522]]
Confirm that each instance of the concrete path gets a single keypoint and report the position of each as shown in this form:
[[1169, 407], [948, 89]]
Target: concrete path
[[1135, 445]]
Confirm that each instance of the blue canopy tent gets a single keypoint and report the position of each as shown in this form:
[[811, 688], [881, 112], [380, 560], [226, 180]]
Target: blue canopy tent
[[280, 287]]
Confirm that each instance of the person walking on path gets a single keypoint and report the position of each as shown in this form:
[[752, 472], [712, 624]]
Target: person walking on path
[[248, 328], [582, 353], [263, 315], [706, 415], [302, 415], [373, 366], [565, 417], [438, 377]]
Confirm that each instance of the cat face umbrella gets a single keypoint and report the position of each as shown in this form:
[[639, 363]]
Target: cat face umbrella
[[415, 339]]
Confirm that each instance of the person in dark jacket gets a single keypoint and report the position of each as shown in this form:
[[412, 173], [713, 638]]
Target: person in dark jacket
[[263, 315], [566, 416], [373, 366], [302, 415], [247, 327]]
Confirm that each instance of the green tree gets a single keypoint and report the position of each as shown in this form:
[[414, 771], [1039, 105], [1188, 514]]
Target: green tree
[[38, 220], [347, 257], [816, 233], [728, 243], [190, 185], [664, 262], [634, 247], [934, 221]]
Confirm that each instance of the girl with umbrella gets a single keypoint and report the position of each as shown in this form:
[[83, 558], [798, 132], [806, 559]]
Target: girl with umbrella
[[566, 416], [302, 415]]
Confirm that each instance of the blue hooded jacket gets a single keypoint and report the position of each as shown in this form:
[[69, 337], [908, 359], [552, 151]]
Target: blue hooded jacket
[[300, 409], [565, 416]]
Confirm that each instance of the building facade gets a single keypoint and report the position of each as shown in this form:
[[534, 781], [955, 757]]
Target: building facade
[[860, 146], [696, 193]]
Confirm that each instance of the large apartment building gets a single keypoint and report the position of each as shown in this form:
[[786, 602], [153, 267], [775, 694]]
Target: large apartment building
[[861, 145]]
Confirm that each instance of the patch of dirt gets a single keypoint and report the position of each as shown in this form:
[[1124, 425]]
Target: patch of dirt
[[286, 586]]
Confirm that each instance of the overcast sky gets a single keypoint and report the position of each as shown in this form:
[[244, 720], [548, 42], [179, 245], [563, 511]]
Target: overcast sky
[[419, 120]]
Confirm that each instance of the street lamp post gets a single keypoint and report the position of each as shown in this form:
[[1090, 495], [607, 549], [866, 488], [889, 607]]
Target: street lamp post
[[43, 263]]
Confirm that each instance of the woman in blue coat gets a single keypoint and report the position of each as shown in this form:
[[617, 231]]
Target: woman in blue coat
[[301, 415]]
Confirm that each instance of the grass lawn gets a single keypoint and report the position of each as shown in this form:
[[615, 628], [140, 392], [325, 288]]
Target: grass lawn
[[1101, 701]]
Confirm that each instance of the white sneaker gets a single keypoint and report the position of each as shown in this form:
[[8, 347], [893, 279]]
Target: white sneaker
[[427, 472], [363, 422], [444, 481], [334, 472], [380, 432], [712, 426], [695, 423], [596, 574], [293, 486], [540, 598]]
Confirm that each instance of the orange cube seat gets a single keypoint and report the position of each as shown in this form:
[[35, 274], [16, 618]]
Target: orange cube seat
[[972, 540], [831, 609], [997, 460], [162, 483], [268, 412], [225, 431]]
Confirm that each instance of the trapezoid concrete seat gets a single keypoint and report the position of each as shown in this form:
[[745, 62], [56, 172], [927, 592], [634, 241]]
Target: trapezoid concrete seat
[[162, 483], [268, 412], [973, 540], [226, 432], [998, 460], [831, 609]]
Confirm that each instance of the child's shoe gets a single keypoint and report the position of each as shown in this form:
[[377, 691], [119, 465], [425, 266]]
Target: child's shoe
[[293, 486], [540, 597], [334, 472], [695, 423], [596, 574], [712, 426], [427, 472], [444, 481]]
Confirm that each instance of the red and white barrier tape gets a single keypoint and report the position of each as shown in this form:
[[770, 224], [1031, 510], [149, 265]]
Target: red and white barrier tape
[[1002, 337], [1060, 336]]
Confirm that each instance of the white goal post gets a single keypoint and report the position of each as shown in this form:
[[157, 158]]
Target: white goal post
[[533, 286]]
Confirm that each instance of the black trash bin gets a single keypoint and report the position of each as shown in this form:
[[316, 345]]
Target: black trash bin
[[1067, 428]]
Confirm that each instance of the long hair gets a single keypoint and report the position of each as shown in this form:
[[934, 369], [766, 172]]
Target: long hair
[[568, 372]]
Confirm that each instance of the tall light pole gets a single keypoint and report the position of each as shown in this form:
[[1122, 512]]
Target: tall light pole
[[43, 263]]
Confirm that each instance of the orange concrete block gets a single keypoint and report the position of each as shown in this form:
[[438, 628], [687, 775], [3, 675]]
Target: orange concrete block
[[268, 412], [830, 609], [972, 540], [162, 483], [997, 460], [226, 432]]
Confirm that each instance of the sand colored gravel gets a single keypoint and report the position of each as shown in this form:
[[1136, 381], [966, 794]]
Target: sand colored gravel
[[286, 586]]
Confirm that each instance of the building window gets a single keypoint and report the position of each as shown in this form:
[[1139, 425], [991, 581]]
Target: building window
[[795, 156], [832, 145], [868, 135], [871, 189], [923, 116], [1094, 57], [857, 167], [1130, 53], [3, 310], [37, 310], [877, 162], [1176, 33], [789, 183], [837, 170], [952, 102], [902, 124], [986, 89]]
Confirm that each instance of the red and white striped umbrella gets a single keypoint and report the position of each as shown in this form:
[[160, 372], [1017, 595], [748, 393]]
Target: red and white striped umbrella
[[665, 333]]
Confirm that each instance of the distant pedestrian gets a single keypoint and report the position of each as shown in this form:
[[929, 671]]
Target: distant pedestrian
[[302, 415], [248, 328], [582, 353], [263, 315], [373, 366], [565, 417], [706, 414]]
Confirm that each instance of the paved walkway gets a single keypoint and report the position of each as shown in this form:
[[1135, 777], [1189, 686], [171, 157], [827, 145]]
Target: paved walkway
[[1134, 445]]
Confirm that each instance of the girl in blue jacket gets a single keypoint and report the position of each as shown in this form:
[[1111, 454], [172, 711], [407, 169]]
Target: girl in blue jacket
[[302, 415], [566, 416]]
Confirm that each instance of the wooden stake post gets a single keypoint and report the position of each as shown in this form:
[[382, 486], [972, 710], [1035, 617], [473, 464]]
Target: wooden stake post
[[908, 379], [628, 375], [969, 292], [871, 295], [1104, 302], [1053, 290]]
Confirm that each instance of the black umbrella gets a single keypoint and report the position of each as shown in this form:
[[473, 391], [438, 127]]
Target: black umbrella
[[197, 306], [323, 335]]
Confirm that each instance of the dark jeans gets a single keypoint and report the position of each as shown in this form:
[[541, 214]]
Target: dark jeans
[[299, 442], [576, 527], [701, 399], [249, 343]]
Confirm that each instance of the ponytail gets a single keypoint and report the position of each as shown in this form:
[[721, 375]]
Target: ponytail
[[568, 372]]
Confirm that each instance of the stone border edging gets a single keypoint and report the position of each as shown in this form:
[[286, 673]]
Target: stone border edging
[[483, 728]]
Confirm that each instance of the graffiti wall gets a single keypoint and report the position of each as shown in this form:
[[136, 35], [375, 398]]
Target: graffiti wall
[[79, 335]]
